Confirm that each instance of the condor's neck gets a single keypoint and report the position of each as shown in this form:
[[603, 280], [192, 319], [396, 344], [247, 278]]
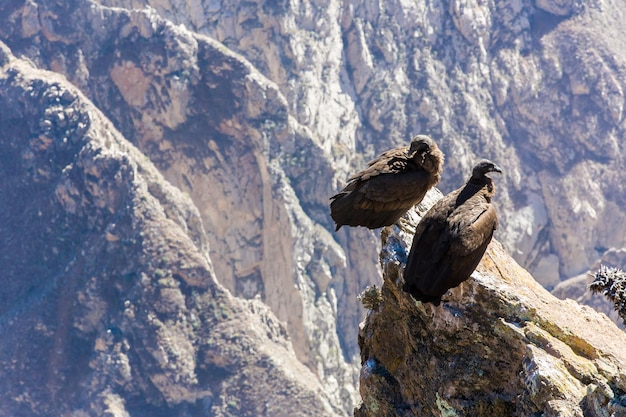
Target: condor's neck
[[483, 185]]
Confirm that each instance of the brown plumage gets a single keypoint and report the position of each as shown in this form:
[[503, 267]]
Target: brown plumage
[[390, 185], [452, 237]]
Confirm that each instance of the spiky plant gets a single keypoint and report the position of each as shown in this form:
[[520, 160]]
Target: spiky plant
[[371, 297], [612, 283]]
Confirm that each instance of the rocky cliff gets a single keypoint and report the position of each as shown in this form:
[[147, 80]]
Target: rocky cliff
[[500, 345], [258, 110], [110, 303]]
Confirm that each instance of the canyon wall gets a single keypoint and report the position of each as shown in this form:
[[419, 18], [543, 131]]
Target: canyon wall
[[258, 111]]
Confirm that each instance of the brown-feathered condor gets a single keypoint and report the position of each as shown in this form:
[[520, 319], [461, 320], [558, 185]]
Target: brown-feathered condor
[[390, 185], [452, 237]]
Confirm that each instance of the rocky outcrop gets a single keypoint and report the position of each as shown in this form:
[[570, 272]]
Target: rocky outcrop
[[499, 345], [110, 303]]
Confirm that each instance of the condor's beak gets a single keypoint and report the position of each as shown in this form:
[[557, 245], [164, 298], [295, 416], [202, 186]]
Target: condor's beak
[[496, 169]]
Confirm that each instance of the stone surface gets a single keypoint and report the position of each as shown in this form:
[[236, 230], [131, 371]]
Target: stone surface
[[499, 345], [245, 106], [109, 303]]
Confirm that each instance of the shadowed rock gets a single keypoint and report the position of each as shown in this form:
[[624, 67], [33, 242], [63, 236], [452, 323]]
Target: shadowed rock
[[390, 185], [452, 237]]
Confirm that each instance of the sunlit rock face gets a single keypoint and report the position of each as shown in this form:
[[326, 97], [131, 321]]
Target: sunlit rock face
[[498, 345]]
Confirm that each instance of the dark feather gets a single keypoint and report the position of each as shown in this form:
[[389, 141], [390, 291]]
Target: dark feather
[[452, 237], [390, 185]]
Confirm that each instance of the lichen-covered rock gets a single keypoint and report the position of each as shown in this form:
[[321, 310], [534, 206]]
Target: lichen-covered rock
[[499, 345], [110, 304]]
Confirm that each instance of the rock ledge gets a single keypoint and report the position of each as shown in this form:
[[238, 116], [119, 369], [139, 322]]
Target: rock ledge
[[500, 345]]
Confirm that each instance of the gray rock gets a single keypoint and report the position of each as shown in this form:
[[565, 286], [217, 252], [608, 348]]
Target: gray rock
[[220, 131]]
